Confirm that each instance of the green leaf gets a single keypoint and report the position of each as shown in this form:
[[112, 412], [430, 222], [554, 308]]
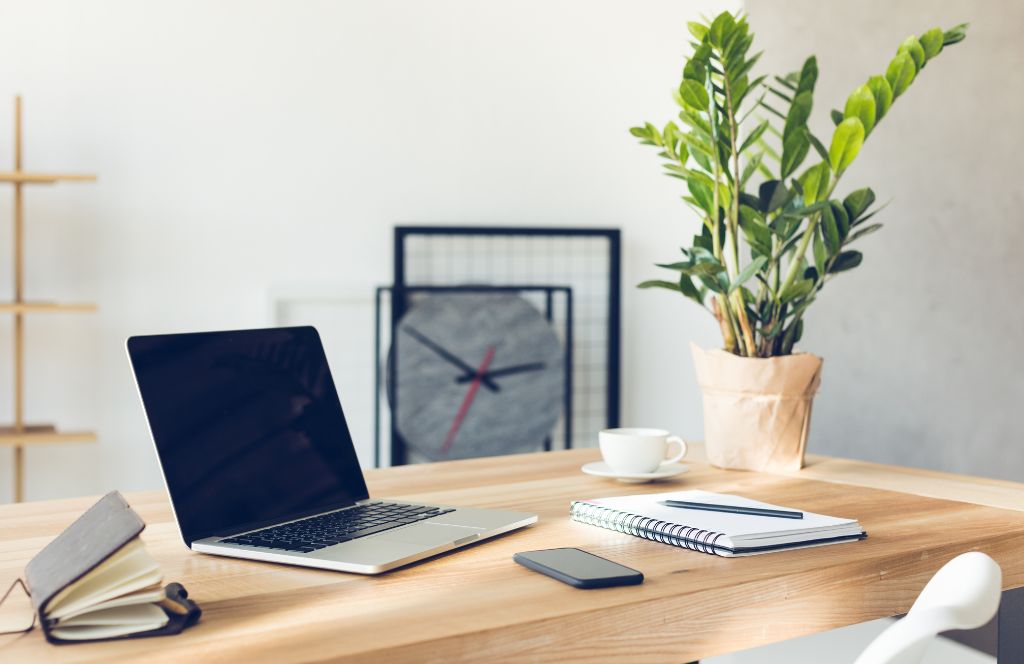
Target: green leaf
[[794, 150], [693, 95], [754, 135], [931, 42], [842, 219], [698, 30], [836, 116], [954, 34], [808, 75], [798, 290], [900, 74], [861, 104], [820, 253], [718, 283], [703, 241], [818, 147], [659, 283], [747, 272], [721, 29], [913, 48], [740, 73], [857, 202], [695, 268], [758, 235], [751, 166], [653, 134], [846, 142], [805, 210], [702, 159], [830, 230], [882, 92], [867, 230], [701, 193], [815, 181], [773, 111], [687, 288], [695, 70], [739, 96], [773, 194], [736, 43], [799, 111], [846, 260]]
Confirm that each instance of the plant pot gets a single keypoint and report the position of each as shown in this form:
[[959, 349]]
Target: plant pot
[[757, 411]]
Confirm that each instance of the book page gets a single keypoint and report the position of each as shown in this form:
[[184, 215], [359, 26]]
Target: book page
[[150, 595], [128, 570], [111, 623]]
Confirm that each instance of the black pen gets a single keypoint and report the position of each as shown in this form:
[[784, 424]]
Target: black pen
[[732, 509]]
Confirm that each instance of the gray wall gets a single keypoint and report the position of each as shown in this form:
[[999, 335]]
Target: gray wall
[[922, 342]]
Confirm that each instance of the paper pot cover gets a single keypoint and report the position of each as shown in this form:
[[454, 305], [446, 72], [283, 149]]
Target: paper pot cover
[[757, 411]]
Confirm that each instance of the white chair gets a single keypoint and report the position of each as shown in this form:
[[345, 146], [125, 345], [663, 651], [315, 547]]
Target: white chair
[[964, 594]]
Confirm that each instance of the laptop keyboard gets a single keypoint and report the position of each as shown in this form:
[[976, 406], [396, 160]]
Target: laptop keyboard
[[318, 532]]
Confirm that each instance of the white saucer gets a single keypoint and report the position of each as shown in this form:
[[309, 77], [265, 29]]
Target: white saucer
[[665, 470]]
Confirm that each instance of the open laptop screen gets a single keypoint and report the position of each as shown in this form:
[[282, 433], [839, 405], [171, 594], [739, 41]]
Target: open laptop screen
[[248, 427]]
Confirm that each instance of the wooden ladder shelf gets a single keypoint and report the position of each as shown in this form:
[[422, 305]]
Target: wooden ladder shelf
[[20, 433]]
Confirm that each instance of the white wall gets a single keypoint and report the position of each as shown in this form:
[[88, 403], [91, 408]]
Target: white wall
[[246, 148], [253, 148]]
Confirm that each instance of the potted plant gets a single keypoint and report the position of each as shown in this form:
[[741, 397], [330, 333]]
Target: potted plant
[[766, 250]]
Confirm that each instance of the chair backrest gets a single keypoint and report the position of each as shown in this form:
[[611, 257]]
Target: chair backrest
[[964, 594]]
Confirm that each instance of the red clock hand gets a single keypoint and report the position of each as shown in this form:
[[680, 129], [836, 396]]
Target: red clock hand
[[467, 401]]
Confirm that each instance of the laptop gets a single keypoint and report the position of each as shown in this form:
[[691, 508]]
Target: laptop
[[259, 462]]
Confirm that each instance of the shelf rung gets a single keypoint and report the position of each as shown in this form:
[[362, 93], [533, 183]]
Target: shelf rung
[[33, 434], [25, 177], [34, 307]]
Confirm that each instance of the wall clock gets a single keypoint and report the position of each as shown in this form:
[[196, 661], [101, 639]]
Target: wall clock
[[474, 373]]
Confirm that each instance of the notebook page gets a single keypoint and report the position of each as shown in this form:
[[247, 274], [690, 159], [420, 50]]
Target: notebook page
[[734, 526]]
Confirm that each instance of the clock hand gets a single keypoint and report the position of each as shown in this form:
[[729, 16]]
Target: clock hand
[[467, 401], [420, 337], [504, 371]]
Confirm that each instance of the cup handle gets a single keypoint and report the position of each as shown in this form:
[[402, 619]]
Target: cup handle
[[682, 449]]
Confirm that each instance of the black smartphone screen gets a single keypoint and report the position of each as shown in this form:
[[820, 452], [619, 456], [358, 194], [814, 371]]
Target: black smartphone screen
[[579, 568]]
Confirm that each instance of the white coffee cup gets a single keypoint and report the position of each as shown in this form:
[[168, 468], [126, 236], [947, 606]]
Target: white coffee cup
[[638, 451]]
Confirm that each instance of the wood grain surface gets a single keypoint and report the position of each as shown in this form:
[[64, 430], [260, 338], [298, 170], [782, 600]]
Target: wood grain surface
[[476, 604]]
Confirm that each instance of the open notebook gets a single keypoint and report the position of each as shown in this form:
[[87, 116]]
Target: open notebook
[[719, 533], [97, 581]]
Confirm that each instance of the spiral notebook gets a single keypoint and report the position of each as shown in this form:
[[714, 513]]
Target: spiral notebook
[[719, 533]]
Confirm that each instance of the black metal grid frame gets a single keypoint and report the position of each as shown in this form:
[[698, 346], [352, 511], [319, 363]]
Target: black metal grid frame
[[614, 237], [398, 456]]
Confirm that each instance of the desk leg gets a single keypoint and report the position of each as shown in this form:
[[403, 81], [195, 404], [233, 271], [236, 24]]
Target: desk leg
[[1011, 626]]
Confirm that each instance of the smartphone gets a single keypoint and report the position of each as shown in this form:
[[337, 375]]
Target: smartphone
[[578, 568]]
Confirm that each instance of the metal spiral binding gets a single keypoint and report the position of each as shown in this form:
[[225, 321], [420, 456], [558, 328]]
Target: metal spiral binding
[[656, 530]]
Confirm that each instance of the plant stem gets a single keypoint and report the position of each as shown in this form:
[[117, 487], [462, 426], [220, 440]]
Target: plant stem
[[733, 229], [730, 332], [805, 241]]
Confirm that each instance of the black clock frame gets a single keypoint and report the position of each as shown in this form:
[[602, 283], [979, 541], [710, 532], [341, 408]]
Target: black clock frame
[[404, 293]]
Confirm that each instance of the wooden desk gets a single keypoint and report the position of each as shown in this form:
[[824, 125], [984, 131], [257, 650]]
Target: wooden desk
[[476, 604]]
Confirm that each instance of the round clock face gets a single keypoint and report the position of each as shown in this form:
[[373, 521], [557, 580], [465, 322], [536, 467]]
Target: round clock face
[[475, 375]]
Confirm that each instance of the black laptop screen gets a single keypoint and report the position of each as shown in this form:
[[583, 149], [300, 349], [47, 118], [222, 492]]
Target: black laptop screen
[[247, 425]]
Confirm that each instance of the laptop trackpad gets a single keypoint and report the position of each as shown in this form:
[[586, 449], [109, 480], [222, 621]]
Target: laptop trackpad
[[431, 534]]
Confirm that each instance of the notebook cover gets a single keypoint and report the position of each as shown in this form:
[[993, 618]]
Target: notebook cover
[[95, 536]]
